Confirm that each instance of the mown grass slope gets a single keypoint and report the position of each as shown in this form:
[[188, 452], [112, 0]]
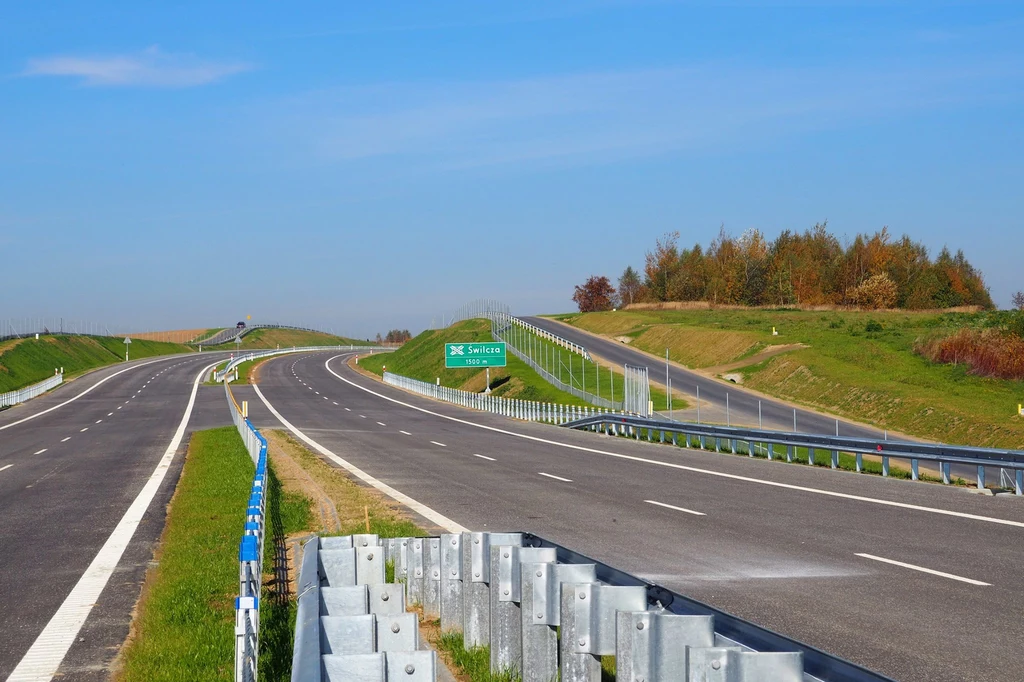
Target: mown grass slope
[[859, 365], [286, 338], [30, 360]]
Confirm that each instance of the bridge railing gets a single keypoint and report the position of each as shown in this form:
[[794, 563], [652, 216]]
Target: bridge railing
[[779, 444]]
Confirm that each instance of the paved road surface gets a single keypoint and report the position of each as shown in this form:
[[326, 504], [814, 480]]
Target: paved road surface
[[67, 477], [775, 543]]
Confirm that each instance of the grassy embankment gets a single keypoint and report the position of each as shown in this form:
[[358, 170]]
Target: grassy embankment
[[28, 361], [857, 365], [423, 358], [261, 339]]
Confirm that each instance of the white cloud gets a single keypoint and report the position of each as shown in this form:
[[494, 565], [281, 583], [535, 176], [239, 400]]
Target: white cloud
[[150, 68]]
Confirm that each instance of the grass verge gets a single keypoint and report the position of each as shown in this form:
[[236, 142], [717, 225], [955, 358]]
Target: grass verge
[[29, 361], [286, 338]]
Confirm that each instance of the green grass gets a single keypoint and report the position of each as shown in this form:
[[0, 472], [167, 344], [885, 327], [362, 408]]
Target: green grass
[[185, 625], [474, 663], [31, 361], [871, 377], [209, 333], [184, 630]]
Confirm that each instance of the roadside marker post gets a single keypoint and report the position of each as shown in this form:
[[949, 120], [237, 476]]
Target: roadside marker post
[[126, 342]]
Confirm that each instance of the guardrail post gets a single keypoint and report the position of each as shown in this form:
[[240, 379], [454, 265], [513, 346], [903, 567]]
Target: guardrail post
[[810, 456], [655, 646], [432, 578], [944, 467], [451, 582], [981, 477], [913, 469], [476, 605], [1019, 481], [835, 459], [885, 467], [506, 597], [588, 613], [541, 614], [860, 462]]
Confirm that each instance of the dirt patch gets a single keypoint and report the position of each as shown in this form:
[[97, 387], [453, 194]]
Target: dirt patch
[[769, 352], [282, 451], [624, 339]]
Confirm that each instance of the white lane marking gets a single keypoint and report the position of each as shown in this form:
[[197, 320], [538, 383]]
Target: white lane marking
[[924, 570], [363, 416], [71, 400], [683, 467], [110, 414], [40, 452], [40, 662], [64, 440], [382, 423], [421, 509], [127, 401], [84, 430], [405, 432], [672, 506], [436, 443], [489, 459], [325, 397], [5, 469], [557, 478], [120, 406], [347, 410], [334, 403], [99, 421]]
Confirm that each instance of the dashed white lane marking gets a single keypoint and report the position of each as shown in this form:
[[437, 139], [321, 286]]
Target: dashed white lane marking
[[683, 467], [40, 452], [325, 397], [421, 509], [127, 401], [334, 403], [672, 506], [120, 406], [363, 416], [99, 421], [71, 400], [44, 657], [110, 414], [347, 410], [557, 478], [405, 433], [440, 444], [925, 570], [382, 423], [489, 459], [65, 440], [5, 469], [84, 430]]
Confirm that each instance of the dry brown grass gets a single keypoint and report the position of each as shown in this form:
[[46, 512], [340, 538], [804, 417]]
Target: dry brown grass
[[988, 352]]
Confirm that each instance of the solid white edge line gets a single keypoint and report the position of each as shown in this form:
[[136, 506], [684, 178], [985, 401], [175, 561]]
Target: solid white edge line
[[489, 459], [6, 467], [924, 570], [421, 509], [683, 467], [672, 506], [43, 658], [71, 400], [557, 478]]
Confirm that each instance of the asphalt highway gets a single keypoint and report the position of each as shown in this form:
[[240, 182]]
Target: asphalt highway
[[71, 464], [917, 581]]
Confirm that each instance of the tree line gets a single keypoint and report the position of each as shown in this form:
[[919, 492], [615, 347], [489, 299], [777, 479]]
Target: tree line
[[812, 268]]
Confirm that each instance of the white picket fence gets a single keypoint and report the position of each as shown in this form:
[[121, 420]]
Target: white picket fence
[[29, 392]]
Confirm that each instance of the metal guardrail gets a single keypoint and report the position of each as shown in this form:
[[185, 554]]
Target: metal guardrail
[[545, 612], [351, 624], [778, 444], [29, 392], [220, 375], [527, 410], [250, 550], [507, 320]]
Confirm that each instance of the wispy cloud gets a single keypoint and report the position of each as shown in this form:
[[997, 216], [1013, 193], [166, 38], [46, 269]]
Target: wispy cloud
[[613, 115], [150, 68]]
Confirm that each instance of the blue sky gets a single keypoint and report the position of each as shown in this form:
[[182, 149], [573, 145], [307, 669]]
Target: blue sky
[[366, 166]]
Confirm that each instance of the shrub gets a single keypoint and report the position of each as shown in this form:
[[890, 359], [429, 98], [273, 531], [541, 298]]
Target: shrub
[[873, 326], [988, 352]]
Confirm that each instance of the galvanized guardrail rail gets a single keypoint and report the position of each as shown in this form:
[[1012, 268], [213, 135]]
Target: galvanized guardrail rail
[[545, 611], [778, 444], [29, 392]]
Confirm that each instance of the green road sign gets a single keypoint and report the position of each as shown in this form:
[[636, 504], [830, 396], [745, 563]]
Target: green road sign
[[474, 354]]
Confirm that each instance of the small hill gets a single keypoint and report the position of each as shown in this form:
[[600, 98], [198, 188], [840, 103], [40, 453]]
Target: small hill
[[286, 338], [28, 361], [423, 358]]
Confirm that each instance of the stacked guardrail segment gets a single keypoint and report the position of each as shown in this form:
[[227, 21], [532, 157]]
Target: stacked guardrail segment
[[779, 444], [351, 624], [543, 619], [527, 410], [29, 392]]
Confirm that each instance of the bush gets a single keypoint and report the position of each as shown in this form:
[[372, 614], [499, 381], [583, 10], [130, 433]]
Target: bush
[[988, 352], [873, 326]]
